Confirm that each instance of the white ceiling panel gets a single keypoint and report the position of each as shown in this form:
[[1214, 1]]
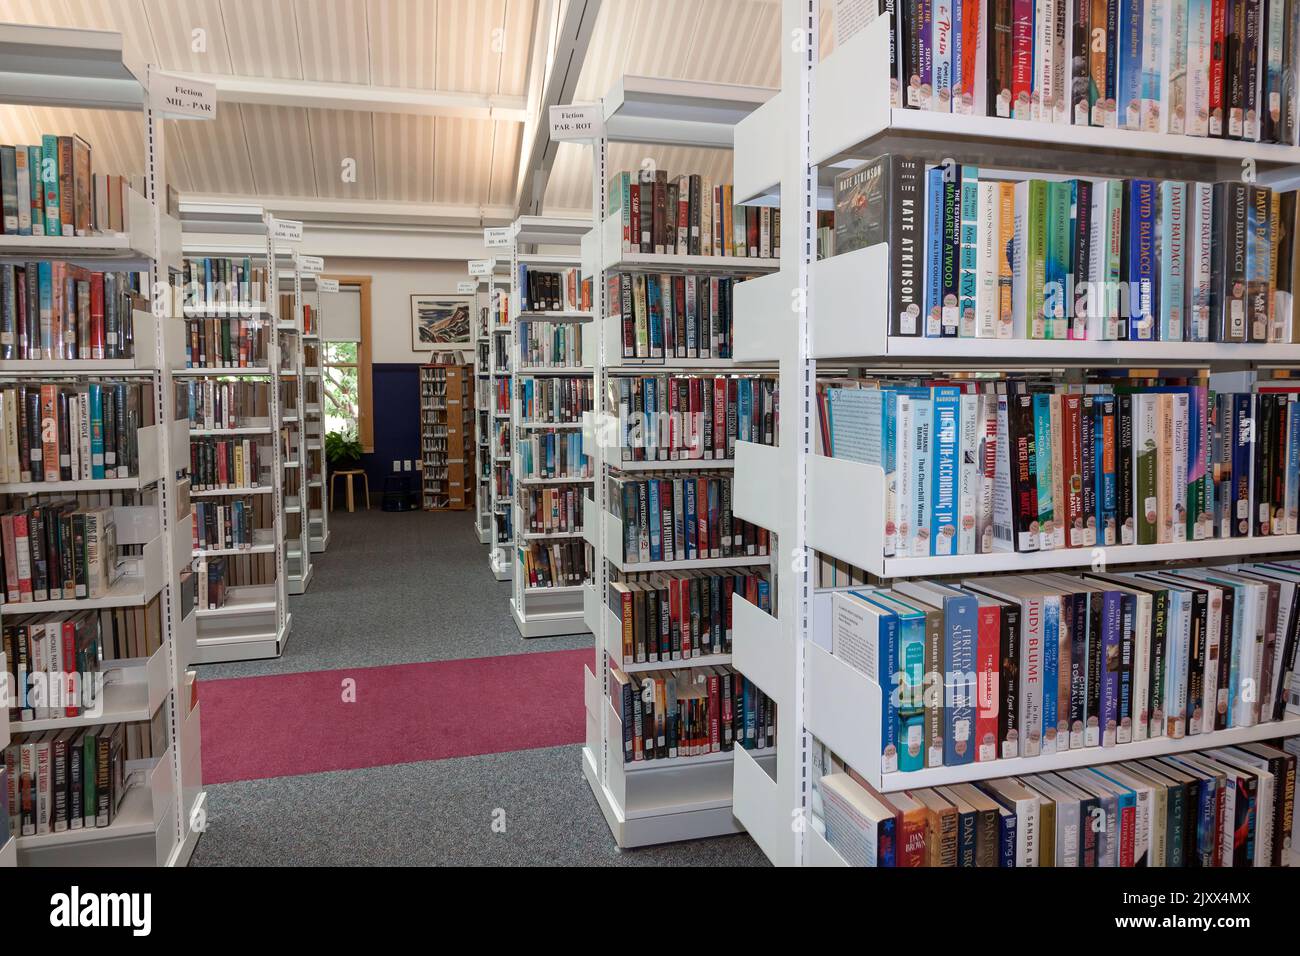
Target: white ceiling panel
[[505, 163], [517, 38], [402, 42], [470, 35], [190, 35], [342, 145], [332, 38], [216, 152], [279, 146], [462, 158], [263, 38], [403, 147]]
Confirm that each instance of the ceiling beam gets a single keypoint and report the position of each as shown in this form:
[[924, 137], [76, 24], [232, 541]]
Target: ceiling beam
[[271, 91], [572, 40], [363, 212]]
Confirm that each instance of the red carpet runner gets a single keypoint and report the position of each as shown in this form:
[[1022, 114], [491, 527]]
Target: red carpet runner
[[283, 725]]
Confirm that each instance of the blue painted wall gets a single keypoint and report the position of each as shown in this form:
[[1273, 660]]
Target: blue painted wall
[[395, 393]]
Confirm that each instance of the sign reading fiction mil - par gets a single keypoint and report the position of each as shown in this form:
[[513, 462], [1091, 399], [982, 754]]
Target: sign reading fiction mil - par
[[179, 97], [576, 122]]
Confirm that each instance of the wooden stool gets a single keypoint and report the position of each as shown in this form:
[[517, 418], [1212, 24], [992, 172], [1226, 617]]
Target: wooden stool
[[348, 473]]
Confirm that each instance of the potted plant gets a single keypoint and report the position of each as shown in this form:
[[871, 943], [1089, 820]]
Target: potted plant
[[343, 451]]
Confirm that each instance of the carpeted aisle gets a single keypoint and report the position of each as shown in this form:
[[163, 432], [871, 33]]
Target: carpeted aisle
[[408, 723]]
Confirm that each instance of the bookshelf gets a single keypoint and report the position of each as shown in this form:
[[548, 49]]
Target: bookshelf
[[483, 398], [446, 437], [159, 819], [302, 488], [828, 116], [313, 370], [553, 246], [658, 801], [500, 451], [236, 632]]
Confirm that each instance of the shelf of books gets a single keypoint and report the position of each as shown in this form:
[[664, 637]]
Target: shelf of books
[[446, 437], [1040, 514], [229, 394], [671, 401], [302, 491], [552, 393], [313, 372], [97, 616], [481, 281], [500, 453]]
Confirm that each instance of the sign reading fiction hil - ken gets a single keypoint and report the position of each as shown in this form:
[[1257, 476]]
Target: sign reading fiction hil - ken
[[576, 122], [179, 97], [496, 237]]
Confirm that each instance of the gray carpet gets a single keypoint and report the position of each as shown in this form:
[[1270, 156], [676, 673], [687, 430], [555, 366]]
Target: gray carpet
[[438, 813], [398, 588], [404, 588]]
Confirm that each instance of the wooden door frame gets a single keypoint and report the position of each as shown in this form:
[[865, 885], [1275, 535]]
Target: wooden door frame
[[365, 412]]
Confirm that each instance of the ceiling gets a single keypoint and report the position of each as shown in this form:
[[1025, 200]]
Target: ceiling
[[439, 93]]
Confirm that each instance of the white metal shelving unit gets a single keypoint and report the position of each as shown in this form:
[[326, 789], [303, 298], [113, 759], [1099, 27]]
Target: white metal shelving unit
[[297, 478], [483, 398], [501, 560], [317, 474], [160, 819], [830, 115], [662, 800], [234, 633], [542, 612]]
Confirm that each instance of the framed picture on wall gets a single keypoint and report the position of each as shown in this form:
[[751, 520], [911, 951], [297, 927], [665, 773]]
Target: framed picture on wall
[[440, 322]]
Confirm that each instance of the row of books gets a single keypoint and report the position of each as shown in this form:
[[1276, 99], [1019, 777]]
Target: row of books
[[69, 779], [556, 510], [554, 400], [226, 343], [1228, 807], [664, 316], [219, 285], [211, 405], [58, 550], [555, 564], [62, 432], [1072, 258], [1192, 67], [691, 712], [682, 616], [213, 581], [58, 310], [550, 344], [682, 518], [217, 463], [689, 215], [559, 454], [1125, 462], [553, 290], [55, 661], [51, 189], [501, 396], [1018, 665], [228, 524], [686, 417]]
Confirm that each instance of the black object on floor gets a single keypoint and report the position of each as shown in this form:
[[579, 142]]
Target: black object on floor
[[399, 492]]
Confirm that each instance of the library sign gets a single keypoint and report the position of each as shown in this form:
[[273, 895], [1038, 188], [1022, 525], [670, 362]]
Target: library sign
[[577, 122], [179, 97]]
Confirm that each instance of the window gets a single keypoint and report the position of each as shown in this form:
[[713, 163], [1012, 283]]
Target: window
[[342, 388], [345, 334]]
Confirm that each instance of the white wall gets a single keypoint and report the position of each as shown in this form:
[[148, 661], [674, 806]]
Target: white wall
[[393, 283]]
